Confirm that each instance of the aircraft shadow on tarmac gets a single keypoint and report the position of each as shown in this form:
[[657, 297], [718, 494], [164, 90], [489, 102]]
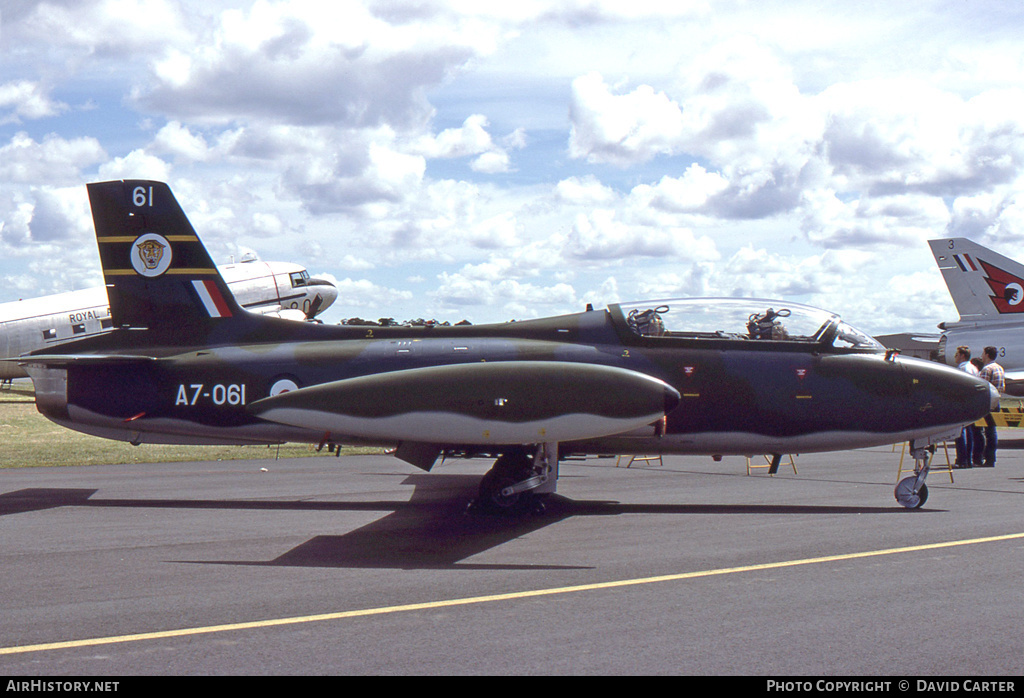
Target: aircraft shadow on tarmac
[[432, 530]]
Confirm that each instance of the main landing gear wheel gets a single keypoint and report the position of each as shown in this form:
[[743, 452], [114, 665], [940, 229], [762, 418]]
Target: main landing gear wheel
[[910, 495], [501, 487], [494, 492]]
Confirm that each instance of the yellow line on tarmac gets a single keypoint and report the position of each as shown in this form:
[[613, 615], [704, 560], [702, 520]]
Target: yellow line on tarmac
[[428, 605]]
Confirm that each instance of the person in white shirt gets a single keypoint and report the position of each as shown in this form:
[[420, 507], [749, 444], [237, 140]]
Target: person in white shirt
[[970, 445]]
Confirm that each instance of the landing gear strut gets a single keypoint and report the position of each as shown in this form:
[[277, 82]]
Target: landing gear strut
[[911, 491], [517, 481]]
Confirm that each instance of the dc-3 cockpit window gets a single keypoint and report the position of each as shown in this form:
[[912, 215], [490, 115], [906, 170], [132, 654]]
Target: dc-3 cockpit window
[[746, 319], [300, 278]]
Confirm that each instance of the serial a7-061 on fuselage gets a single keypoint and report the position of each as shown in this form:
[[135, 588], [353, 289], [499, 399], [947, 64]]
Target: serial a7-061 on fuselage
[[184, 365]]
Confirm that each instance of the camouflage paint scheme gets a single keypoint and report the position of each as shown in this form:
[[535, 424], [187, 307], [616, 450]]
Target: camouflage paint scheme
[[185, 364]]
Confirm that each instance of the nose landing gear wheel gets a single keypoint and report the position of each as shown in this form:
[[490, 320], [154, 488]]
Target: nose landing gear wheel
[[908, 497]]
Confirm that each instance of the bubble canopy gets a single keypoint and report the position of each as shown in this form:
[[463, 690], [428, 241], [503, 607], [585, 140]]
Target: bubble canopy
[[741, 319]]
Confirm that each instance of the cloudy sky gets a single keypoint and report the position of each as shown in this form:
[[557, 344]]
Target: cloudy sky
[[491, 161]]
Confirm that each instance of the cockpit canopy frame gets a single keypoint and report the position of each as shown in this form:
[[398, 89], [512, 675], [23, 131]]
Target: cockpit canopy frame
[[742, 321]]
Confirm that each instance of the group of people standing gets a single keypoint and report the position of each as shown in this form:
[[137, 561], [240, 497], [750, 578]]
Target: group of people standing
[[976, 445]]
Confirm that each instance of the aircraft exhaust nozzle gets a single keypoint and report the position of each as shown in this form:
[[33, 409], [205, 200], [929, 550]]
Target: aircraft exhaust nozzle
[[496, 403]]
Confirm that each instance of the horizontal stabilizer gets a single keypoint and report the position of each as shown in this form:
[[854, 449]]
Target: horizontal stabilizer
[[487, 403]]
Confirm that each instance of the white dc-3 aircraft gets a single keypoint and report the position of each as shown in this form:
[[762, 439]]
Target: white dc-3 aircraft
[[282, 289], [988, 291]]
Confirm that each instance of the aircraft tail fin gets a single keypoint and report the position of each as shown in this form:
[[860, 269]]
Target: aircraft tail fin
[[984, 284], [159, 275]]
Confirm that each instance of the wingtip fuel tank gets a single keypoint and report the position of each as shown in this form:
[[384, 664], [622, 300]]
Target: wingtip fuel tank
[[501, 403]]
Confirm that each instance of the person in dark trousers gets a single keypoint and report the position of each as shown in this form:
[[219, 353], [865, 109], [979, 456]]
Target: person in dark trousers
[[994, 374], [971, 442]]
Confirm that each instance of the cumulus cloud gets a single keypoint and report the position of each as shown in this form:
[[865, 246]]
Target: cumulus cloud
[[891, 136], [995, 217], [491, 162], [621, 129], [518, 297], [906, 219], [528, 157], [109, 27], [740, 109], [692, 282], [469, 140], [749, 126], [345, 176], [600, 235], [690, 193], [584, 190], [26, 100], [502, 230], [363, 293], [756, 272], [59, 215], [354, 263], [309, 63], [179, 142], [135, 165], [51, 228], [55, 160]]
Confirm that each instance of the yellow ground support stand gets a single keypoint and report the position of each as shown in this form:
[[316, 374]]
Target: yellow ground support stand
[[1008, 417], [1005, 417], [769, 464], [640, 459], [948, 468]]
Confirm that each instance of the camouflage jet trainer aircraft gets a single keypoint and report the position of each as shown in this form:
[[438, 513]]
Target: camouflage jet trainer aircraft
[[186, 365]]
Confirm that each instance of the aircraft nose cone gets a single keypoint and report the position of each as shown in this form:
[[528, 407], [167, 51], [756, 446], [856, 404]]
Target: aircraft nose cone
[[672, 398], [327, 291], [945, 395], [993, 398]]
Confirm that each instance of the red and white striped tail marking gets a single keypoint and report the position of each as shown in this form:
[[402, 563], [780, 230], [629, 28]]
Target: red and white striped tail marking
[[212, 298]]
